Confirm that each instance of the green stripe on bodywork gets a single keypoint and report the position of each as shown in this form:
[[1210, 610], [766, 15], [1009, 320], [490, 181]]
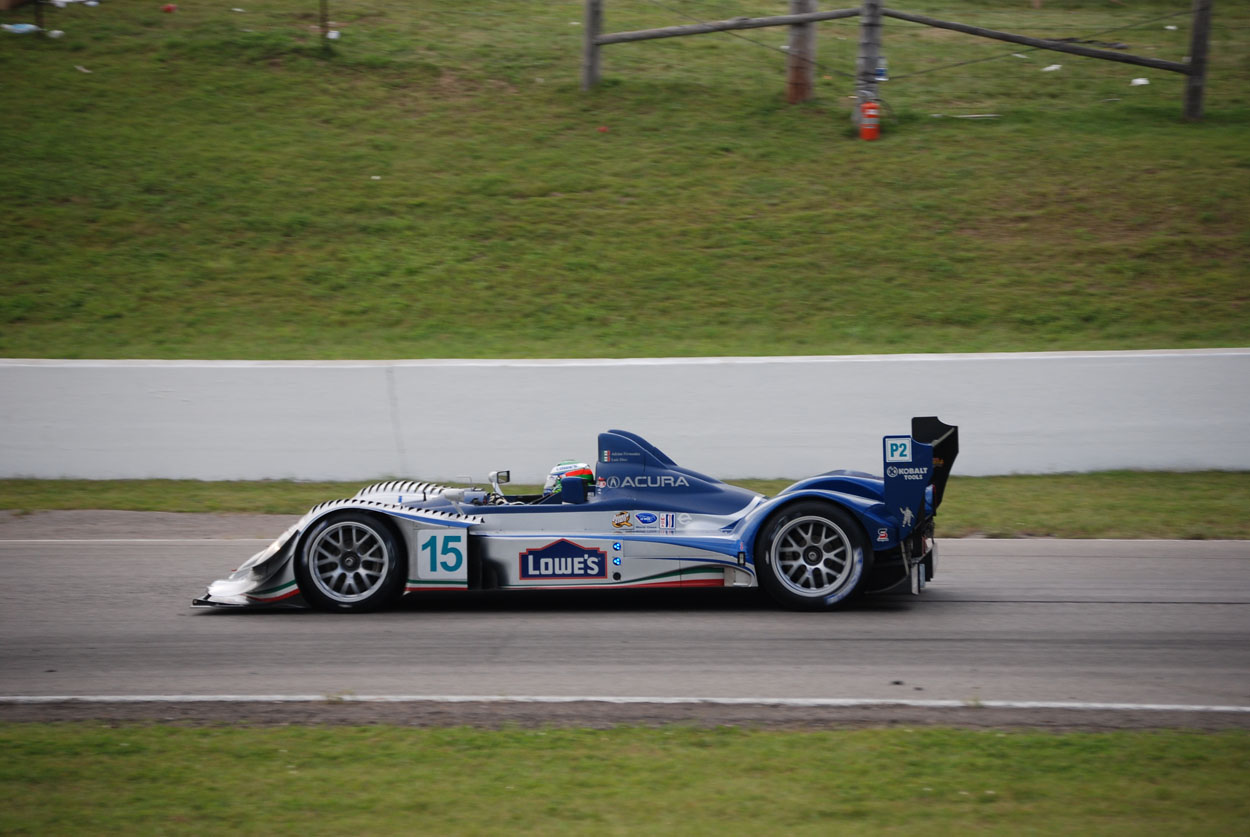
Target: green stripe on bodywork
[[279, 588], [678, 574]]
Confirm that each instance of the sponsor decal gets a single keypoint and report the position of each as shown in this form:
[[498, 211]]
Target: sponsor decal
[[907, 473], [668, 521], [883, 535], [908, 516], [646, 518], [621, 520], [564, 559], [684, 519], [897, 449], [602, 483], [644, 481]]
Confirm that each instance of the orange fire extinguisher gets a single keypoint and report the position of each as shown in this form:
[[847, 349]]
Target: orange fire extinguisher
[[869, 121]]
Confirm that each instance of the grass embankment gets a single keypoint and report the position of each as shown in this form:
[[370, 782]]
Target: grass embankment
[[86, 779], [210, 183], [1116, 504]]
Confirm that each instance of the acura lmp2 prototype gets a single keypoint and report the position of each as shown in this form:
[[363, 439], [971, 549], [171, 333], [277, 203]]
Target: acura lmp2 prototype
[[637, 520]]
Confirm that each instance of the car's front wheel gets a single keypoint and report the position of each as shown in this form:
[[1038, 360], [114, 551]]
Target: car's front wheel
[[812, 556], [350, 561]]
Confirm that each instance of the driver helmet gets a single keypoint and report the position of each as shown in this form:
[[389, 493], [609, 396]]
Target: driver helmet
[[567, 468]]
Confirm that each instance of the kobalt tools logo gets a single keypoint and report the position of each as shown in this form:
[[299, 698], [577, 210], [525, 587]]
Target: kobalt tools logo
[[664, 481], [907, 473], [564, 559]]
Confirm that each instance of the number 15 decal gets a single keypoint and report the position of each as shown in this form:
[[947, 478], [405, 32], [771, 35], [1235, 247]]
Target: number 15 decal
[[442, 556]]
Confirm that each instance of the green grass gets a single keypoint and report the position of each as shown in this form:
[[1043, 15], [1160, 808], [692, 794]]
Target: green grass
[[87, 779], [1115, 504], [207, 189]]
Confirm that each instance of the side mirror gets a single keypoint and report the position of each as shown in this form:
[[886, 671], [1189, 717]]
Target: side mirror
[[572, 490], [498, 478]]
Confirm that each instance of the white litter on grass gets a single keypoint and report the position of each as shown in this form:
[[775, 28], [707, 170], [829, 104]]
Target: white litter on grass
[[80, 68], [1138, 82], [19, 28], [55, 33], [236, 9], [1170, 27], [1051, 68], [1018, 55], [375, 177], [333, 35]]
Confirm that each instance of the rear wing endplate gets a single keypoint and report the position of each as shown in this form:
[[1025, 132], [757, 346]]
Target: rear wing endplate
[[913, 463]]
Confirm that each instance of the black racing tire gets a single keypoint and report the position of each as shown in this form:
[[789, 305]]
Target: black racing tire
[[812, 555], [350, 562]]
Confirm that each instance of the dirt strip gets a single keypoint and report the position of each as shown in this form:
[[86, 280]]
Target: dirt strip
[[600, 715]]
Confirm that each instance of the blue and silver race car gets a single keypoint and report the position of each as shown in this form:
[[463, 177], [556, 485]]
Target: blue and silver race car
[[637, 519]]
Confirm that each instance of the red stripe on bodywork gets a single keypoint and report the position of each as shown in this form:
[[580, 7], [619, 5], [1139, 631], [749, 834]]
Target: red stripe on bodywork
[[288, 595]]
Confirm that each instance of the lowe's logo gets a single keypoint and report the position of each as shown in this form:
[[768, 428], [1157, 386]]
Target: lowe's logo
[[664, 481], [564, 559]]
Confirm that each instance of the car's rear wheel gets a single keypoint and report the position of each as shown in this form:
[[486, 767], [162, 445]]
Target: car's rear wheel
[[350, 561], [812, 556]]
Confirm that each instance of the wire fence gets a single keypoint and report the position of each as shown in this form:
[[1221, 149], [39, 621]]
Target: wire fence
[[1021, 22]]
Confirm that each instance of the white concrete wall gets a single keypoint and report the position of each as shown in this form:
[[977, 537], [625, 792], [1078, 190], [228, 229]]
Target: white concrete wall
[[731, 417]]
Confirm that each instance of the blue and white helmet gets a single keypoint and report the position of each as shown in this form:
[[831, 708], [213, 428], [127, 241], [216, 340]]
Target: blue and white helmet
[[567, 468]]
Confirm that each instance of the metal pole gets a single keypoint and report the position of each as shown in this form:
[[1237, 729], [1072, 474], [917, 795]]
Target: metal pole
[[590, 50], [801, 55], [1196, 81], [869, 54]]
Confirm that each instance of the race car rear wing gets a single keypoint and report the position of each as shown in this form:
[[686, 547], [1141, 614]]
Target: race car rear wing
[[944, 438], [913, 463]]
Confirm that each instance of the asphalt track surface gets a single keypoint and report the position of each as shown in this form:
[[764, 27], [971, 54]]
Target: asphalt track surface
[[96, 610]]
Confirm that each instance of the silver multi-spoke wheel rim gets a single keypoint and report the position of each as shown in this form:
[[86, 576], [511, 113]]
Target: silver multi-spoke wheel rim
[[812, 556], [349, 561]]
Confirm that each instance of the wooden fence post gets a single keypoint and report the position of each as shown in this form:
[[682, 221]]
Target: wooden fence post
[[590, 50], [1196, 80], [801, 55], [869, 54]]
